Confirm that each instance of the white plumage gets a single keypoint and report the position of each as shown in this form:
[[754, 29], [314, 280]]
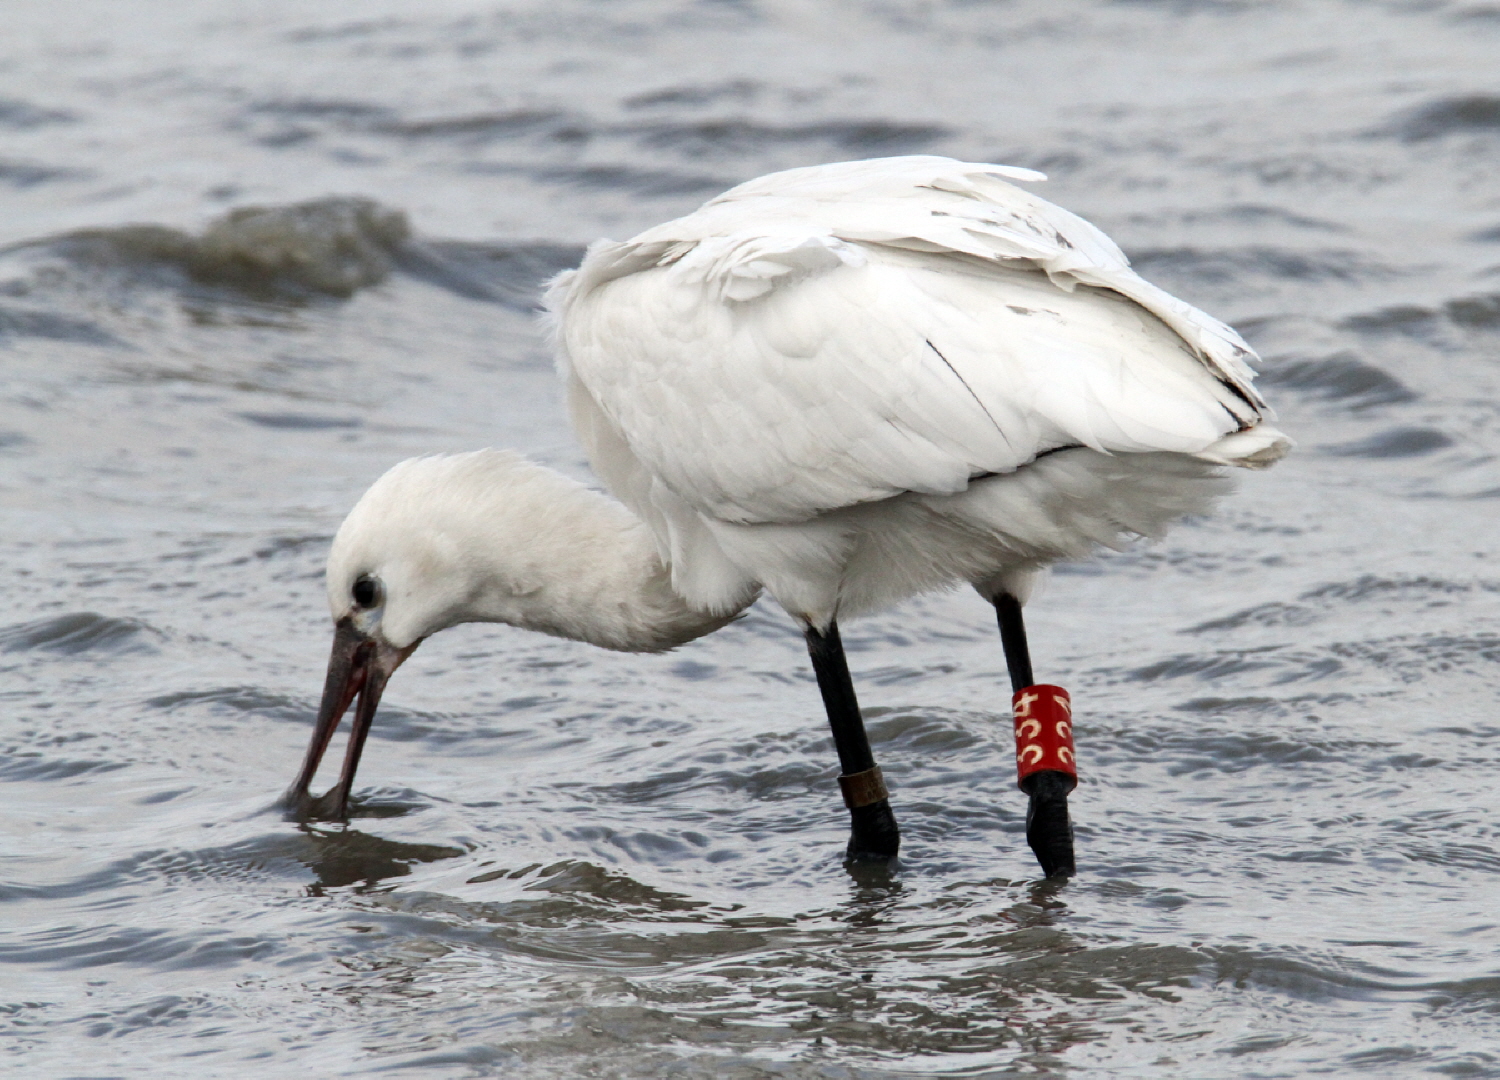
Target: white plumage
[[845, 385], [850, 383]]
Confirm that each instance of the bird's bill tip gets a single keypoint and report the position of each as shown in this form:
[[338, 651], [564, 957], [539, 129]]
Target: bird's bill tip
[[359, 665]]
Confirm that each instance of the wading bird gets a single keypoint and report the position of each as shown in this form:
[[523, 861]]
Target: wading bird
[[843, 385]]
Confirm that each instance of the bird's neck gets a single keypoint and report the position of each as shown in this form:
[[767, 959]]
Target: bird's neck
[[567, 561]]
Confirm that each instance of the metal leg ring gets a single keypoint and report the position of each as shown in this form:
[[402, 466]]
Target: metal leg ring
[[863, 788]]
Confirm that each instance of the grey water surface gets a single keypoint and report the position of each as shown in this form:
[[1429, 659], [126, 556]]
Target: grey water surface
[[253, 254]]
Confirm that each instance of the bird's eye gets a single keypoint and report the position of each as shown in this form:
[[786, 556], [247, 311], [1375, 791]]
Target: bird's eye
[[366, 591]]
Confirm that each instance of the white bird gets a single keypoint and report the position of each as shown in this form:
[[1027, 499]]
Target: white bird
[[844, 385]]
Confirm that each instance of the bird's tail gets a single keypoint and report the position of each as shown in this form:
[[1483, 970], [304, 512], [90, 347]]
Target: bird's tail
[[1256, 448]]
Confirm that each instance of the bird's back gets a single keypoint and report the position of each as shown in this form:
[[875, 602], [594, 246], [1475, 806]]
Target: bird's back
[[779, 381]]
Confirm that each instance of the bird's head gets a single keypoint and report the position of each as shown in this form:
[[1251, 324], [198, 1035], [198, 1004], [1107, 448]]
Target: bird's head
[[398, 570], [486, 536], [408, 561]]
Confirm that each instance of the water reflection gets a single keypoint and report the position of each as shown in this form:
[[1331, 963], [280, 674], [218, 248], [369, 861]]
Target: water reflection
[[341, 856], [877, 891]]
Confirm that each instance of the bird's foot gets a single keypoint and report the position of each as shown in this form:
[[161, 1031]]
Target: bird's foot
[[873, 836], [1049, 830], [299, 804]]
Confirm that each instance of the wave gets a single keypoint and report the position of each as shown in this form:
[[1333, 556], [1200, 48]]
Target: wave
[[1400, 442], [291, 122], [741, 91], [1333, 597], [25, 174], [78, 633], [330, 247], [30, 322], [1475, 312], [21, 115], [869, 137], [1236, 263], [1469, 114], [1342, 376], [508, 274], [83, 946], [1479, 311], [623, 178], [1405, 659], [478, 127]]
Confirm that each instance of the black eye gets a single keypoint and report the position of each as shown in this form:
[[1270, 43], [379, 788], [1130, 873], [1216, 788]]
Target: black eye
[[366, 591]]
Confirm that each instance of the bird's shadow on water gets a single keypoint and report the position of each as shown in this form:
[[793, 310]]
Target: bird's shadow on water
[[877, 890], [880, 900], [1047, 897], [340, 857]]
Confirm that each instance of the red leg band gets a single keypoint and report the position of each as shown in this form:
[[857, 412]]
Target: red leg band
[[1044, 732]]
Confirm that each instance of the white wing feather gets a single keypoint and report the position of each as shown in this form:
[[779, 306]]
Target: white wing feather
[[838, 335]]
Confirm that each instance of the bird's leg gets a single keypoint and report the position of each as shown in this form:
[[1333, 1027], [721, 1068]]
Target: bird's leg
[[1043, 731], [873, 832]]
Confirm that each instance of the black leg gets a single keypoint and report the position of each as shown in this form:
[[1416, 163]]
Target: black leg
[[873, 832], [1049, 830], [1013, 641]]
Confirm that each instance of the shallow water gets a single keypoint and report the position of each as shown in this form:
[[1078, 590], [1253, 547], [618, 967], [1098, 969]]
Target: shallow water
[[569, 863]]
